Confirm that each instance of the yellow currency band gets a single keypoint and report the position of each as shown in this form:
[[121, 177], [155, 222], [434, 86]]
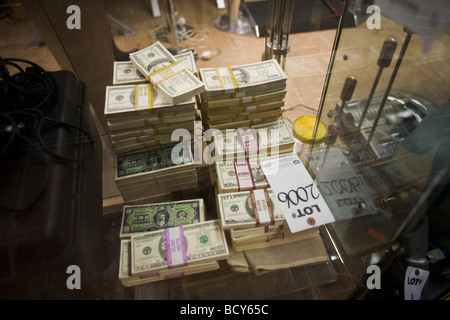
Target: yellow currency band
[[232, 78], [140, 89], [165, 73]]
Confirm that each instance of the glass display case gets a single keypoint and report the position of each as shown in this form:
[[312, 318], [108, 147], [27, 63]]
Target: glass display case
[[383, 163], [376, 88]]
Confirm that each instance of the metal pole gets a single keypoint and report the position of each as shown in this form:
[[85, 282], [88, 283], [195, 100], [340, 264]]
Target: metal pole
[[279, 17]]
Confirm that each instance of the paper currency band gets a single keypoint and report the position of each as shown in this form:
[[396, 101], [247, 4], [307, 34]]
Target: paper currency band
[[248, 140], [227, 80], [143, 97], [166, 73], [244, 175], [262, 207], [279, 236], [175, 247]]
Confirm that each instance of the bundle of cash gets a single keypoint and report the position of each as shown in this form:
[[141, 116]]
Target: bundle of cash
[[271, 138], [243, 80], [170, 77], [138, 117], [143, 174], [250, 92], [240, 175], [157, 216], [125, 72], [255, 220], [190, 245], [129, 280]]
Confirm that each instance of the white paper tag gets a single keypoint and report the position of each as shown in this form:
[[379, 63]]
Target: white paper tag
[[415, 280], [301, 202]]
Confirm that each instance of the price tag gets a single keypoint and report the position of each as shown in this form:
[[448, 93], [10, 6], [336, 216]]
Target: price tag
[[301, 202], [415, 280]]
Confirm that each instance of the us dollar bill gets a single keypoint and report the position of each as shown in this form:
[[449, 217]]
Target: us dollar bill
[[240, 175], [236, 209], [157, 216], [135, 100], [141, 164], [240, 78], [125, 72], [204, 241], [172, 79], [129, 280], [266, 138]]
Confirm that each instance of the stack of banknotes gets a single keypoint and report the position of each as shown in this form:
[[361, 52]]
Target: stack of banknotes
[[141, 219], [138, 114], [267, 139], [242, 95], [144, 173], [172, 252], [254, 220]]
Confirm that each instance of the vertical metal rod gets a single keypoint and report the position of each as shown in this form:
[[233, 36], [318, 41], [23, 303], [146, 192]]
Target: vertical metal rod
[[170, 18], [388, 89], [279, 16], [369, 98], [384, 60]]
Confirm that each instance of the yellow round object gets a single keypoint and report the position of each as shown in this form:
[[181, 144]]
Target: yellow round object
[[304, 129]]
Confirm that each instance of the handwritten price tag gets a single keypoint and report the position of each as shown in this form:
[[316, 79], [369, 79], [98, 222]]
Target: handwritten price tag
[[301, 202]]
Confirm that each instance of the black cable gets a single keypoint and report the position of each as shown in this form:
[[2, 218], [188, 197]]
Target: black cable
[[26, 96]]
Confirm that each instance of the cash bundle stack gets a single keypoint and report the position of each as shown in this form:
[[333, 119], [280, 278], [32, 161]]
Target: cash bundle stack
[[145, 173], [172, 252], [139, 219], [267, 139], [140, 114], [242, 95], [254, 220]]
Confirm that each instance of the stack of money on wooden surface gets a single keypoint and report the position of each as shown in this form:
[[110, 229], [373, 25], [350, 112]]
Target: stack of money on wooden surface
[[240, 175], [172, 252], [255, 220], [171, 78], [267, 139], [144, 173], [242, 95], [139, 116]]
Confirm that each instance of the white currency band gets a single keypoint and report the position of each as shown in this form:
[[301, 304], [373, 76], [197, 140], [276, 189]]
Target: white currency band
[[175, 246], [244, 175]]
